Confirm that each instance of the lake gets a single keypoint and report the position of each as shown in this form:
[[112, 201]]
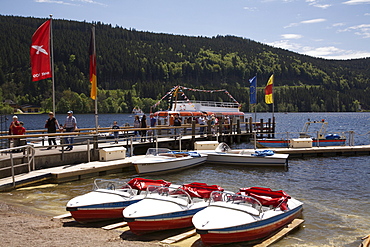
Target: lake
[[335, 190]]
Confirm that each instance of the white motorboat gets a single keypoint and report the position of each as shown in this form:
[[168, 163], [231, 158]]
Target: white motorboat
[[109, 198], [165, 208], [223, 154], [161, 160], [250, 215]]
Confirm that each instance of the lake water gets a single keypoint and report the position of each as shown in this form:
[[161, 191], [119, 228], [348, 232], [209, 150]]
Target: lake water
[[335, 190]]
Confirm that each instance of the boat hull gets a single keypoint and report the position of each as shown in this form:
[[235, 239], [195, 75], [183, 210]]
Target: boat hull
[[283, 143], [252, 232], [100, 205], [240, 159], [160, 213], [175, 220], [158, 165]]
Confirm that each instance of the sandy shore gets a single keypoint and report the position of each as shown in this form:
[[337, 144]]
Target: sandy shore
[[22, 227]]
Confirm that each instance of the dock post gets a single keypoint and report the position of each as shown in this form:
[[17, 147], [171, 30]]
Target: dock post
[[159, 131], [220, 129], [273, 127], [250, 124], [209, 130], [261, 128], [238, 131], [269, 128], [192, 135], [88, 151]]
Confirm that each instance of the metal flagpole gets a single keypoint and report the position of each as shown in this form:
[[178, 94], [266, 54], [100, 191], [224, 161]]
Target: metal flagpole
[[52, 61], [96, 78]]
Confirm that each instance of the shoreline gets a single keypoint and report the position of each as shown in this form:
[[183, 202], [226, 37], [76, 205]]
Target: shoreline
[[21, 226]]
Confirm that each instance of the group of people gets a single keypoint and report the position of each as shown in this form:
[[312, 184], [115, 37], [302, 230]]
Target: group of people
[[142, 124], [70, 125], [52, 125], [16, 128]]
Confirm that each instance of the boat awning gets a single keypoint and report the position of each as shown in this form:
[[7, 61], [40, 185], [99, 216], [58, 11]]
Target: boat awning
[[201, 190], [143, 183], [267, 197]]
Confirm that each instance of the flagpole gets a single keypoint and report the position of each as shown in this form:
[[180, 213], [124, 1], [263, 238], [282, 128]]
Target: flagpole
[[96, 78], [273, 102], [52, 61], [255, 106]]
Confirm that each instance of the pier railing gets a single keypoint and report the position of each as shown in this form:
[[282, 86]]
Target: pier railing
[[232, 128], [28, 159]]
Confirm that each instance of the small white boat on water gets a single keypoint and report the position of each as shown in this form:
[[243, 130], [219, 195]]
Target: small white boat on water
[[109, 198], [223, 154], [165, 208], [249, 216], [162, 160]]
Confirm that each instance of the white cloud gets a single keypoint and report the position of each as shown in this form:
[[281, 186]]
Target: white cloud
[[306, 22], [322, 6], [54, 1], [354, 2], [291, 36], [69, 2], [361, 30], [250, 8], [338, 24], [327, 52], [313, 21], [315, 3]]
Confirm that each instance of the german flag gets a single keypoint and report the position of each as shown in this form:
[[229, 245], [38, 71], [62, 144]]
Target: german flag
[[268, 91], [92, 53]]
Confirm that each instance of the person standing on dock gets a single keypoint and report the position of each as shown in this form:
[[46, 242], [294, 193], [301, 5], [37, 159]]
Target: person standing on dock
[[70, 125], [52, 125], [13, 131], [115, 133], [153, 123], [143, 125], [136, 125], [202, 122], [177, 123]]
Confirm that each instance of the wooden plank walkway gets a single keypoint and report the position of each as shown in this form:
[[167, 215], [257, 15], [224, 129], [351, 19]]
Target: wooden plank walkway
[[66, 173], [283, 232]]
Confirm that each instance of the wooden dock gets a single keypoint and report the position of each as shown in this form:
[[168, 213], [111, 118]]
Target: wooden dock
[[67, 173], [193, 236], [324, 151], [66, 170]]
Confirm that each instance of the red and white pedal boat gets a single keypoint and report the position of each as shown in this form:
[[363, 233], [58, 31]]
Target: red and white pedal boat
[[109, 198], [165, 208], [250, 215]]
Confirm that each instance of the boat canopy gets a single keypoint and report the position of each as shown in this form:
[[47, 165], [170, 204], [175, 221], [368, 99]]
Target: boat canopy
[[143, 183], [201, 190], [267, 197]]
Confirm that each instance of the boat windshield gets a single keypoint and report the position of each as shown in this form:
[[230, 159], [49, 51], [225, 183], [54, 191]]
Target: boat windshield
[[223, 147], [174, 194], [160, 152], [242, 202], [113, 184]]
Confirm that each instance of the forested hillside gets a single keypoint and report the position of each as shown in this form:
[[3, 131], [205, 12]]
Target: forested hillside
[[138, 68]]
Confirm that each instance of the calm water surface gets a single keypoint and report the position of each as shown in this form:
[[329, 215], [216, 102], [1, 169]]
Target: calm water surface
[[335, 190]]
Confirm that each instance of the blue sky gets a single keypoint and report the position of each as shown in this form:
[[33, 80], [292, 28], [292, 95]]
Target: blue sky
[[332, 29]]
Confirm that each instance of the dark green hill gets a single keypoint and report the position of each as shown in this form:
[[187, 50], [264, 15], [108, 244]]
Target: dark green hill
[[138, 68]]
